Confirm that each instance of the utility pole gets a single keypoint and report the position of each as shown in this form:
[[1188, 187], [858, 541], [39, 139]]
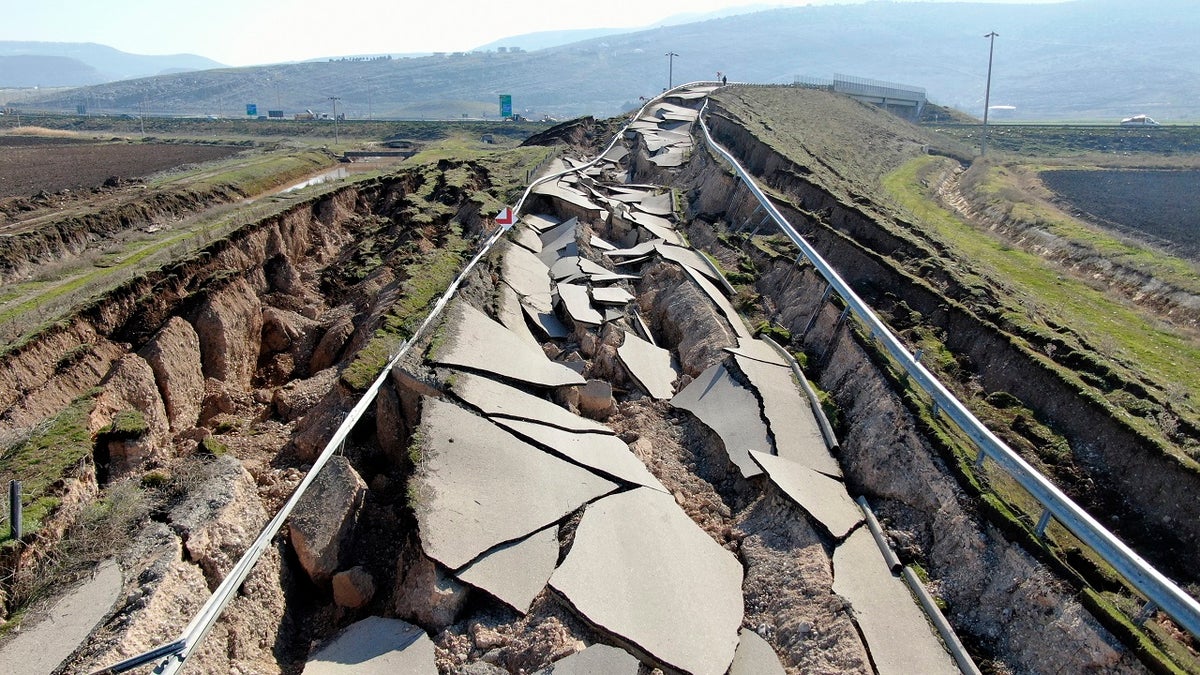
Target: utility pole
[[987, 92], [335, 99], [670, 69]]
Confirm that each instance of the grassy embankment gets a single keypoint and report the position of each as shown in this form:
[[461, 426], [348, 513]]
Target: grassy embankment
[[878, 164]]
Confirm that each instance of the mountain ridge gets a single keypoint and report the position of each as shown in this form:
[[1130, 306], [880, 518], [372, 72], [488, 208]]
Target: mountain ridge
[[1083, 60]]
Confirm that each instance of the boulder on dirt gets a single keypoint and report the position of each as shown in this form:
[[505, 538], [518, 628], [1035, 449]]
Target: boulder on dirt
[[596, 400], [332, 343], [426, 594], [229, 325], [390, 427], [282, 328], [174, 355], [314, 430], [324, 519], [220, 517], [130, 416], [297, 397], [375, 645], [353, 588]]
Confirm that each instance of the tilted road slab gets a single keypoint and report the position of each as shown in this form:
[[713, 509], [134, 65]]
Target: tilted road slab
[[477, 486], [578, 304], [754, 656], [526, 274], [601, 452], [730, 410], [898, 635], [515, 573], [643, 571], [824, 498], [595, 660], [648, 365], [497, 399], [476, 341], [375, 645], [789, 416]]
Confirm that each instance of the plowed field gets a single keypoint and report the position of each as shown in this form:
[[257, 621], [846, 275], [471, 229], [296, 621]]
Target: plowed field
[[29, 165], [1162, 204]]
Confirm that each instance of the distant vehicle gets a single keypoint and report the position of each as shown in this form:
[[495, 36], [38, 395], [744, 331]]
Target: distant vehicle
[[1139, 121]]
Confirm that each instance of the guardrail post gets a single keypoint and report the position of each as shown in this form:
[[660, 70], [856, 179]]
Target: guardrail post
[[1042, 523], [812, 320], [980, 459], [14, 508], [1148, 611], [935, 409], [919, 353]]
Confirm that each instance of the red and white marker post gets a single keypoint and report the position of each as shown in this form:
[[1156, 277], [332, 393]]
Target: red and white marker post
[[505, 218]]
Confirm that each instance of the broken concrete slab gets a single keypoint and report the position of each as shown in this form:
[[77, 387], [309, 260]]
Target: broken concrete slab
[[616, 153], [643, 571], [658, 205], [730, 410], [759, 350], [602, 452], [375, 645], [526, 236], [611, 295], [648, 365], [670, 158], [578, 304], [597, 242], [824, 498], [638, 251], [474, 340], [512, 314], [690, 258], [541, 221], [463, 486], [559, 242], [496, 399], [40, 646], [515, 573], [658, 227], [573, 197], [897, 634], [547, 322], [789, 416], [565, 267], [754, 656], [597, 659], [528, 276]]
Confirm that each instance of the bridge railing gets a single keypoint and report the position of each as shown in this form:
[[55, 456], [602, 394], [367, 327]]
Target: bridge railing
[[1160, 591]]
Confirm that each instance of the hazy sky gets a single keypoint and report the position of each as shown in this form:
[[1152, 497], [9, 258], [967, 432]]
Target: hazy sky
[[248, 32]]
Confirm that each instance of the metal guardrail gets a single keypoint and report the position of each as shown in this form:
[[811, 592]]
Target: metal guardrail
[[173, 655], [1158, 589]]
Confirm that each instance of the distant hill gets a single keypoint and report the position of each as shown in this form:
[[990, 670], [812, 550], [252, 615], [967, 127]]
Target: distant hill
[[1082, 60], [73, 64]]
